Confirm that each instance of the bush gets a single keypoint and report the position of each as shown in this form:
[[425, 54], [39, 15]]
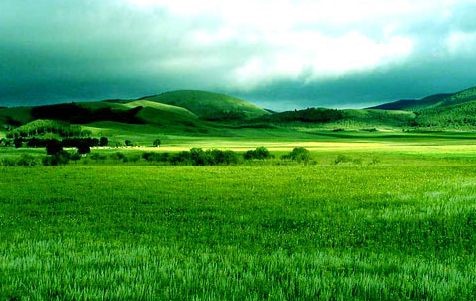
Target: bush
[[61, 158], [342, 159], [260, 153], [5, 142], [182, 158], [156, 157], [24, 160], [299, 154], [157, 142], [119, 157], [97, 157], [200, 157], [128, 143], [27, 160], [75, 157], [224, 157], [8, 162]]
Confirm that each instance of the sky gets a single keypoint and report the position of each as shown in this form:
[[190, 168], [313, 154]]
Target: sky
[[281, 54]]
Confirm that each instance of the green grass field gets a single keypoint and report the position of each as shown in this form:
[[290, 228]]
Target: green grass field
[[400, 229]]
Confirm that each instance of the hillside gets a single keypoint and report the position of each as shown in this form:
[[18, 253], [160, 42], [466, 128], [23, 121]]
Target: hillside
[[413, 104], [190, 113], [210, 106], [430, 102]]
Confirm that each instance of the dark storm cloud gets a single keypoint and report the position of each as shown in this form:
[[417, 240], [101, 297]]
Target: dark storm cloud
[[52, 51], [413, 80]]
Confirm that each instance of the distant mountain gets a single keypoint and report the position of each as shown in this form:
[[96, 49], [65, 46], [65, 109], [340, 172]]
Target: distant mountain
[[413, 104], [455, 110], [429, 102]]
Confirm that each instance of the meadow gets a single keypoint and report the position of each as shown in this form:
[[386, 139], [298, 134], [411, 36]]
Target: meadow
[[396, 222]]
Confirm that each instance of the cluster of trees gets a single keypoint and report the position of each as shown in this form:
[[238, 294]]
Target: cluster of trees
[[41, 127], [195, 157], [77, 114], [227, 115], [315, 115], [56, 155], [67, 142]]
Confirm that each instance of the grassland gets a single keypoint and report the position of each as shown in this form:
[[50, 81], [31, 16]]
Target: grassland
[[398, 224], [385, 210]]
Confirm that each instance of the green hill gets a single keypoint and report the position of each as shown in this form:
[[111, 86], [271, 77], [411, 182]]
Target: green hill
[[442, 111], [459, 116], [430, 102], [163, 108], [210, 106]]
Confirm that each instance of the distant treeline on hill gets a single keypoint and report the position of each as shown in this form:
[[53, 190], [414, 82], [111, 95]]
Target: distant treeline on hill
[[35, 142], [318, 115], [75, 113]]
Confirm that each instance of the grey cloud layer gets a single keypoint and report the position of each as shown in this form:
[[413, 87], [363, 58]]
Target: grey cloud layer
[[53, 50]]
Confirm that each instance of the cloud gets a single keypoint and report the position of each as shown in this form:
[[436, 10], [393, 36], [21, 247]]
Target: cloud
[[283, 53]]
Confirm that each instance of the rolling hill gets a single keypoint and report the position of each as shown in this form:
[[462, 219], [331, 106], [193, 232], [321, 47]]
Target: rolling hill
[[203, 113], [210, 106]]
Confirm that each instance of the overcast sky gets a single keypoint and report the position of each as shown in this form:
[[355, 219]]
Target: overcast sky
[[283, 54]]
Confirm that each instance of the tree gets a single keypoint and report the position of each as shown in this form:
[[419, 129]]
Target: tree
[[157, 142], [18, 142], [53, 147], [83, 148], [128, 143], [103, 141]]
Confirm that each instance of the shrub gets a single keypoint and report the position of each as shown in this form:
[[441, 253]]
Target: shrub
[[156, 157], [97, 157], [119, 157], [374, 161], [299, 154], [27, 160], [342, 159], [8, 162], [60, 158], [157, 142], [128, 143], [5, 142], [224, 157], [182, 158], [75, 157], [260, 153], [200, 157]]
